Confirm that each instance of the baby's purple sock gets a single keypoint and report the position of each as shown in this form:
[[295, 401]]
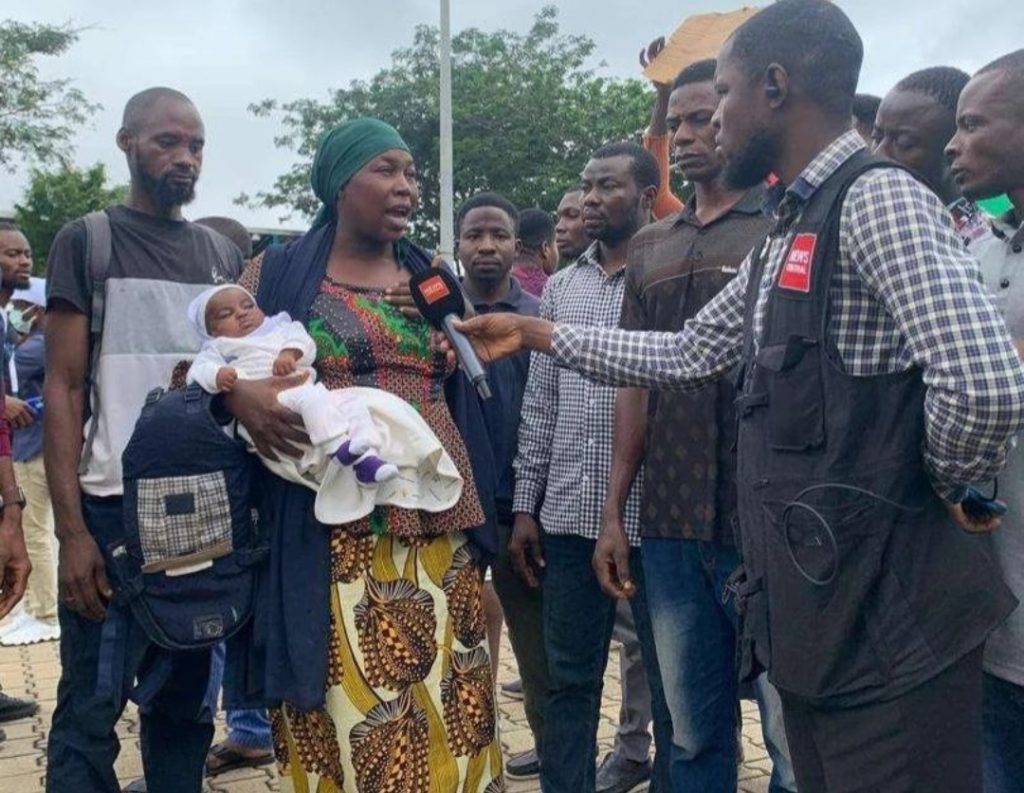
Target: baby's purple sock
[[371, 470], [345, 455]]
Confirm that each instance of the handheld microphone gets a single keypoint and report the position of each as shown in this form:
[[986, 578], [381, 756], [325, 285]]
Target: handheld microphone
[[438, 297]]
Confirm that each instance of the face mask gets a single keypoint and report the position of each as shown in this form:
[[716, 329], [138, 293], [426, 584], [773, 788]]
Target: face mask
[[21, 323]]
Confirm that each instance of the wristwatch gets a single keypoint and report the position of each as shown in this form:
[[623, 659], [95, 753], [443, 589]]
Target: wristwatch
[[21, 501]]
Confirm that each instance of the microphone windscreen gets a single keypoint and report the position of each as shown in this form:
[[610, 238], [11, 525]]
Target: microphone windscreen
[[437, 294]]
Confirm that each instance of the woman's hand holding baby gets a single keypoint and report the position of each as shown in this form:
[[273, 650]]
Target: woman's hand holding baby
[[271, 425], [227, 376]]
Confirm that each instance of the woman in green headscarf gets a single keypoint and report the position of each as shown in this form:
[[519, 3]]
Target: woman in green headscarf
[[375, 638]]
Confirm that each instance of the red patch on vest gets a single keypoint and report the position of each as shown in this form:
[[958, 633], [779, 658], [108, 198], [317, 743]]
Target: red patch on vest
[[796, 270]]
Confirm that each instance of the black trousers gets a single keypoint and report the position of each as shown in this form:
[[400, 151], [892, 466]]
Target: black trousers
[[926, 741], [523, 609], [176, 726]]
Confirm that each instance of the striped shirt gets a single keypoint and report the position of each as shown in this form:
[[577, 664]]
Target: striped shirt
[[904, 293], [157, 265], [564, 457]]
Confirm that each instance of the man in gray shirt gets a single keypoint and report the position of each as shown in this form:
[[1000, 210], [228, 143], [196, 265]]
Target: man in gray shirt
[[158, 263], [987, 155]]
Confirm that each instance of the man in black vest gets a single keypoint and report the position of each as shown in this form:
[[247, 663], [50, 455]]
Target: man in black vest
[[877, 384]]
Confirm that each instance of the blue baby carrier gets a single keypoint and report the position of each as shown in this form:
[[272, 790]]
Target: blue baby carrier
[[186, 563]]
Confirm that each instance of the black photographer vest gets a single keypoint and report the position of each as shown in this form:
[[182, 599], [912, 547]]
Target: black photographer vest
[[858, 585]]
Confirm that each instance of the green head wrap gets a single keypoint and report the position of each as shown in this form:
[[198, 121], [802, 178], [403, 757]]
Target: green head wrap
[[342, 152]]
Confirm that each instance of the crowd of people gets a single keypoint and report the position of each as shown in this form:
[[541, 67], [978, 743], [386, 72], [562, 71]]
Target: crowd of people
[[748, 432]]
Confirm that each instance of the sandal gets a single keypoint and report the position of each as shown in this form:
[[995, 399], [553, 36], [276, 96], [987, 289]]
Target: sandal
[[223, 758]]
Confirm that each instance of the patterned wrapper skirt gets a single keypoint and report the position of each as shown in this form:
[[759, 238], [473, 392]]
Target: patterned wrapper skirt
[[410, 699]]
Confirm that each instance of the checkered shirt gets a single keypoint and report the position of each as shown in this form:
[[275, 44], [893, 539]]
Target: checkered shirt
[[564, 457], [904, 293]]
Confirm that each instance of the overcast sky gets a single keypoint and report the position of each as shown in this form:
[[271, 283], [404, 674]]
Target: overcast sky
[[228, 53]]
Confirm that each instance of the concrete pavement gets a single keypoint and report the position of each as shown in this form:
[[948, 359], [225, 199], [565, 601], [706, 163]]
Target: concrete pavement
[[33, 672]]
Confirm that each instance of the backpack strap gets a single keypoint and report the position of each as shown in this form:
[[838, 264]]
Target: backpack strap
[[97, 264], [227, 252], [196, 399], [113, 652]]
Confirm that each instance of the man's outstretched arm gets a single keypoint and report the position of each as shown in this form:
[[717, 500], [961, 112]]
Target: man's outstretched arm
[[710, 345]]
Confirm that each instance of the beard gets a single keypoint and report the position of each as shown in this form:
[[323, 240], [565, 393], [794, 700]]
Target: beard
[[489, 280], [15, 281], [166, 192], [570, 256], [613, 235], [753, 163]]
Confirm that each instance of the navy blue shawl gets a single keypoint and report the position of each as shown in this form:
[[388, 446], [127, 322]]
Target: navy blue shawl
[[283, 657]]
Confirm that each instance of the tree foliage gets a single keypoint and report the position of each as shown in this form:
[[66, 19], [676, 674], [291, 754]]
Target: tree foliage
[[55, 197], [37, 117], [528, 111]]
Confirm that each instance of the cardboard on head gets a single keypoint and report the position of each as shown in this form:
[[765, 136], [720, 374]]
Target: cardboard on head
[[698, 37]]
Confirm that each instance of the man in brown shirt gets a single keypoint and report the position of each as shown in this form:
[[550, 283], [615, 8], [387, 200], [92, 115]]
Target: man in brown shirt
[[685, 440]]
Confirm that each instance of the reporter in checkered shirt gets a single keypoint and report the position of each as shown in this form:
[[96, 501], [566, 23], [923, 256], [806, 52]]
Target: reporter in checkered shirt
[[905, 293], [898, 684]]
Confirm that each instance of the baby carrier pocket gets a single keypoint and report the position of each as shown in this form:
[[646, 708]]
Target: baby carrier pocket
[[186, 561]]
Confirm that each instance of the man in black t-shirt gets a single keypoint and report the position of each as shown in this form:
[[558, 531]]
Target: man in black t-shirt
[[158, 263]]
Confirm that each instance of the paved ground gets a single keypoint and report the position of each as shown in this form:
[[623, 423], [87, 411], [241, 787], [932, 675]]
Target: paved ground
[[33, 671]]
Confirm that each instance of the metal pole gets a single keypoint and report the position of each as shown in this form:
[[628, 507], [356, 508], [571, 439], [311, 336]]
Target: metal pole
[[447, 248]]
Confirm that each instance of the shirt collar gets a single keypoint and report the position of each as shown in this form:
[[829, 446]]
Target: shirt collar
[[818, 170], [828, 161], [511, 301], [1007, 227], [591, 256], [752, 203]]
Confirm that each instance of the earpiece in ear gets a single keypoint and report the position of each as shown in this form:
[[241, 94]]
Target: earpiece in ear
[[772, 91]]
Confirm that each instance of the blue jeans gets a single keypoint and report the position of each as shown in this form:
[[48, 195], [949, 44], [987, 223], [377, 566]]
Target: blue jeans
[[578, 622], [1002, 721], [248, 728], [694, 630], [633, 737], [99, 664]]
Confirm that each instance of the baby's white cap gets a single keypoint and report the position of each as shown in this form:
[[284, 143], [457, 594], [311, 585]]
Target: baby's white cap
[[197, 308]]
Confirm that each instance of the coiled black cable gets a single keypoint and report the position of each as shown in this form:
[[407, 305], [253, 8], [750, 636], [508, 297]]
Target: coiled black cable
[[797, 503]]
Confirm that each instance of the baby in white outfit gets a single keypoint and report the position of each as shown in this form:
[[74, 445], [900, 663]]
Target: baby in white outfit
[[241, 342]]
